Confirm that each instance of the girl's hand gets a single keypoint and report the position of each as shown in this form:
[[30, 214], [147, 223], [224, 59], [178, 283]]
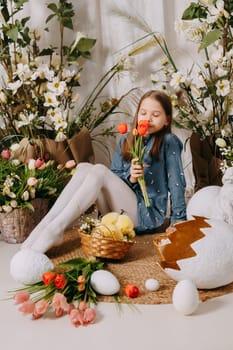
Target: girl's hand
[[136, 170]]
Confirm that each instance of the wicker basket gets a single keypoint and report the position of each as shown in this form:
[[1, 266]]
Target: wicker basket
[[104, 247], [16, 226]]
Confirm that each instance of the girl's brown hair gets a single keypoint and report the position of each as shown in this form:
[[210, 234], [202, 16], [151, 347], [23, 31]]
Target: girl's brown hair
[[166, 104]]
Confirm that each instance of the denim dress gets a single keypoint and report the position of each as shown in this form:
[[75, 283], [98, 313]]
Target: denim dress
[[164, 181]]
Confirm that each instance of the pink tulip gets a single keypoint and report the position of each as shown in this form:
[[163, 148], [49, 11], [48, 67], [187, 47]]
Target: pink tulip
[[27, 307], [39, 163], [21, 296], [70, 164], [89, 315], [6, 154], [59, 302], [40, 308], [82, 306], [59, 312], [31, 181], [76, 317]]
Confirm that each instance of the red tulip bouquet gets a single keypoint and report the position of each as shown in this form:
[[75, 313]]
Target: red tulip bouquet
[[137, 150]]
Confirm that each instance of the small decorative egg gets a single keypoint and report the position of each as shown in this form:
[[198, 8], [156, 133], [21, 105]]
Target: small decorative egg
[[185, 297], [27, 266], [104, 282], [152, 284]]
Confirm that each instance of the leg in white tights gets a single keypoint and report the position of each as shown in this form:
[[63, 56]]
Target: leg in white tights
[[90, 184]]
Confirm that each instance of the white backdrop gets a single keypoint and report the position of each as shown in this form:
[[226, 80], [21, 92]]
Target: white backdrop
[[96, 19]]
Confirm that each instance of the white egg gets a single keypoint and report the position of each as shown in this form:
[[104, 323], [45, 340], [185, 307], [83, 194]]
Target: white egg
[[185, 297], [152, 284], [104, 282], [27, 266]]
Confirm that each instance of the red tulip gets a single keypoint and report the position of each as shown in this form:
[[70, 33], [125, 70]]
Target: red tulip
[[131, 291], [48, 277], [60, 281], [143, 126], [122, 128]]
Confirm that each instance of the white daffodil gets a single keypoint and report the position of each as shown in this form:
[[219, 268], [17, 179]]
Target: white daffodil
[[60, 136], [22, 71], [14, 86], [217, 11], [217, 56], [56, 86], [50, 100], [25, 119], [67, 74], [177, 79], [43, 72], [223, 87], [59, 122], [52, 112]]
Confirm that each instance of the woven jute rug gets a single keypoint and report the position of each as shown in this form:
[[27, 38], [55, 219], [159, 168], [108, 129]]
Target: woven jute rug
[[139, 264]]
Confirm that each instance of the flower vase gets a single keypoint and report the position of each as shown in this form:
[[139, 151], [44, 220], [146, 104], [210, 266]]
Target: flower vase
[[57, 150], [206, 165], [81, 146], [16, 226]]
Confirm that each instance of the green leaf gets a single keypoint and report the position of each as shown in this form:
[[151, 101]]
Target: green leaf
[[53, 7], [85, 44], [194, 10], [49, 18], [210, 38], [13, 33], [46, 52], [67, 22]]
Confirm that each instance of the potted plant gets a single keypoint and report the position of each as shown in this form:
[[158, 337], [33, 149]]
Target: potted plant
[[39, 97], [26, 192]]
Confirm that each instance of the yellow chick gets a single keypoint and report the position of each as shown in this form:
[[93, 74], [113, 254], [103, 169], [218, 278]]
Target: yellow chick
[[125, 225], [110, 218]]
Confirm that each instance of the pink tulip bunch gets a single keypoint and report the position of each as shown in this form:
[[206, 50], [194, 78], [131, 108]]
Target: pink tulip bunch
[[80, 316]]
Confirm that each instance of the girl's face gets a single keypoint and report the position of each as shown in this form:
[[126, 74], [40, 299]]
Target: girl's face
[[152, 111]]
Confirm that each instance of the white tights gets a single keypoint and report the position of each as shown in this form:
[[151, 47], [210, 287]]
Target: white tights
[[91, 183]]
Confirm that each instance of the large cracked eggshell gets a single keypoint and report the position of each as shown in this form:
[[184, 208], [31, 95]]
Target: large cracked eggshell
[[200, 250]]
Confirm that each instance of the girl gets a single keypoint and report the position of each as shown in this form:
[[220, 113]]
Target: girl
[[118, 189]]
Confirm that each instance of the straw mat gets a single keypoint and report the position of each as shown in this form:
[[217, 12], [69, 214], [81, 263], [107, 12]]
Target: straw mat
[[136, 267]]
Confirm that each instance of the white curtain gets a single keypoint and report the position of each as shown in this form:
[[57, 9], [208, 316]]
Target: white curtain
[[96, 19]]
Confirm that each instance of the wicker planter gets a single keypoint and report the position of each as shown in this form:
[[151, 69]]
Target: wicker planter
[[16, 226], [104, 247]]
